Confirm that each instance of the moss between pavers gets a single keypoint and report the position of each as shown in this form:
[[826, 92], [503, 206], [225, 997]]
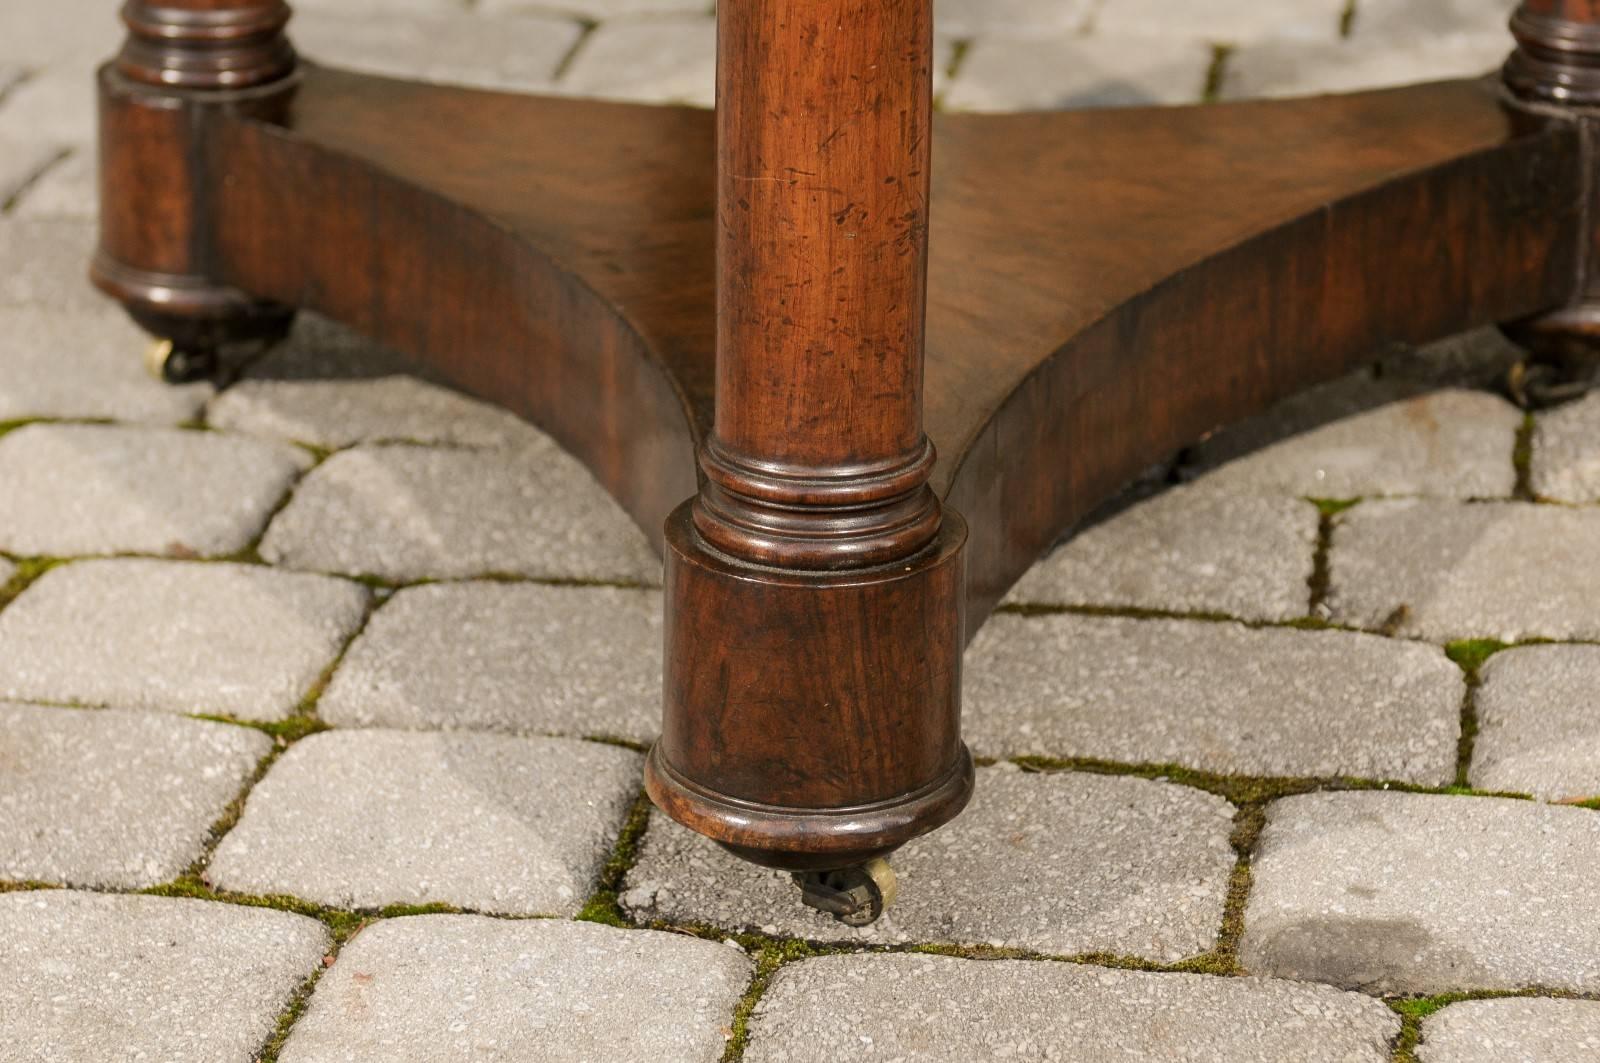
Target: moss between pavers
[[28, 570], [1470, 655], [1216, 72], [1347, 20], [1246, 789], [1522, 460], [1412, 1010], [342, 925], [602, 906], [1318, 581]]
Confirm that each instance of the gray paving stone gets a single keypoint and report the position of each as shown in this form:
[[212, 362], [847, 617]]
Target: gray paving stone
[[447, 988], [652, 61], [68, 189], [399, 9], [1072, 70], [56, 103], [1278, 68], [86, 978], [1378, 22], [1442, 570], [1452, 443], [106, 489], [241, 640], [407, 513], [506, 657], [320, 350], [22, 160], [1566, 452], [1014, 18], [1215, 696], [1538, 731], [364, 819], [111, 798], [44, 265], [1526, 1030], [456, 48], [1478, 359], [35, 34], [84, 364], [598, 10], [342, 413], [937, 1008], [1223, 21], [1423, 893], [1058, 863], [1188, 549]]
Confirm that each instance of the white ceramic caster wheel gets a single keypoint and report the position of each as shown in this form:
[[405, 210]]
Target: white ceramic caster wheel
[[856, 895]]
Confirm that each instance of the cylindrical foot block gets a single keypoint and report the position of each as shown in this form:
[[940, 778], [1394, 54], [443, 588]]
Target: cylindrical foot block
[[812, 719]]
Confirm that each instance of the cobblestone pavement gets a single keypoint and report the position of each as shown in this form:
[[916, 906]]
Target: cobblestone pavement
[[1297, 760]]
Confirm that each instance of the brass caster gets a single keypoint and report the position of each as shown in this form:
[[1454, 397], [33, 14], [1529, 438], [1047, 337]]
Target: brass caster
[[856, 895], [172, 364], [1539, 386]]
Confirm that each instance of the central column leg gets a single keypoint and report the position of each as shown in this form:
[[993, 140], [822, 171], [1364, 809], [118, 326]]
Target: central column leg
[[1555, 71], [183, 61], [815, 586]]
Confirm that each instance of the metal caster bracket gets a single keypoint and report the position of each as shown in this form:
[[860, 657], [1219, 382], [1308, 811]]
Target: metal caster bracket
[[856, 896]]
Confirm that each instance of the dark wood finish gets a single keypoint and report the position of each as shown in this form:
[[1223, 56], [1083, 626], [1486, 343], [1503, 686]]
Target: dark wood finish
[[1555, 69], [1101, 288], [814, 627], [182, 59]]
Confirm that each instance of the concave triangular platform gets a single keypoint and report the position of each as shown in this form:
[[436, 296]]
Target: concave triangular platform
[[1105, 286]]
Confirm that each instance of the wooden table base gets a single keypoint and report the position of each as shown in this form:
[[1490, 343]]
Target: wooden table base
[[889, 358]]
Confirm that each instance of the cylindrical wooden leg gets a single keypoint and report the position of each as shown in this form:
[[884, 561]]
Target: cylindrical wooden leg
[[182, 58], [1555, 70], [815, 585]]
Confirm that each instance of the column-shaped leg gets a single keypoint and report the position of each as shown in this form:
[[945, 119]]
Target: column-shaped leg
[[181, 59], [1555, 70], [815, 586]]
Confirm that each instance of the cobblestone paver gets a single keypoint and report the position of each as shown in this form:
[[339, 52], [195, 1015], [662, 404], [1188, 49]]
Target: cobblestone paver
[[236, 640], [87, 978], [1512, 1031], [1419, 893], [1442, 570], [1215, 696], [1071, 70], [448, 988], [365, 819], [68, 187], [1538, 724], [1565, 464], [935, 1008], [449, 46], [1187, 550], [504, 657], [339, 413], [1466, 526], [657, 60], [1057, 863], [158, 784], [42, 266], [409, 513], [84, 365], [1457, 444], [74, 490]]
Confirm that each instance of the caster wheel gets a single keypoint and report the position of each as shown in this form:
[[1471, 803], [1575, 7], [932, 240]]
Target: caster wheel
[[856, 896], [172, 364], [1539, 386]]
